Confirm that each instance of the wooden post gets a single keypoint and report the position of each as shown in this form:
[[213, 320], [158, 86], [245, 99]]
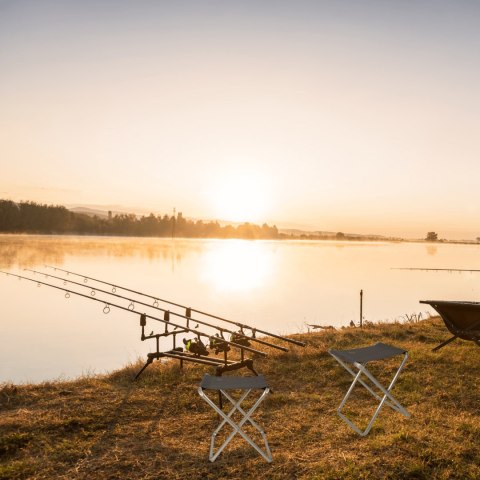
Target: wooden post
[[361, 308]]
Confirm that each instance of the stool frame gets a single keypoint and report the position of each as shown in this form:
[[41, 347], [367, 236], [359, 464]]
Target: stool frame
[[237, 427], [386, 399]]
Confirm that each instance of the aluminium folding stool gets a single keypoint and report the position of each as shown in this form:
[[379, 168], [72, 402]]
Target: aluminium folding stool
[[246, 385], [355, 361]]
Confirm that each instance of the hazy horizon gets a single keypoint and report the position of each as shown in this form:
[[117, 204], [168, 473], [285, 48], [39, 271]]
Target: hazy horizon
[[355, 116]]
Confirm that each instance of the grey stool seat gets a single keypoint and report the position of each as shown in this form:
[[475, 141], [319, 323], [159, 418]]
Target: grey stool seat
[[211, 382], [354, 361], [246, 385], [379, 351]]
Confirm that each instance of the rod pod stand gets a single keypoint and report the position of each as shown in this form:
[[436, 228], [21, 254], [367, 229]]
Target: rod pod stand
[[222, 366]]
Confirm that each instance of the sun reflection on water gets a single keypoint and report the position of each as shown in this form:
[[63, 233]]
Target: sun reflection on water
[[237, 265]]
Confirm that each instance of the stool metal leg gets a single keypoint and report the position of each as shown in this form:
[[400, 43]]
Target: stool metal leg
[[247, 417], [212, 455], [386, 399], [361, 382], [237, 428]]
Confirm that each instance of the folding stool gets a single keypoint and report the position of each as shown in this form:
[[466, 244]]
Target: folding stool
[[222, 384], [358, 358]]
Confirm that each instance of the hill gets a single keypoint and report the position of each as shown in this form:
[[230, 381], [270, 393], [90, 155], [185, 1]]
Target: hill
[[103, 427]]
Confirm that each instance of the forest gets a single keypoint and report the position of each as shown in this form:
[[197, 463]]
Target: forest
[[34, 218]]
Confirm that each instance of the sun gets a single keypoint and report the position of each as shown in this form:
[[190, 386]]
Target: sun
[[241, 197]]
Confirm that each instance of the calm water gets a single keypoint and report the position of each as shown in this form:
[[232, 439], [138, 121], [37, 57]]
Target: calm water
[[276, 286]]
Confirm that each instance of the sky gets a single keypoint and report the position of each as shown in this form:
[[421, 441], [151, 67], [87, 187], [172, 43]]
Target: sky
[[355, 116]]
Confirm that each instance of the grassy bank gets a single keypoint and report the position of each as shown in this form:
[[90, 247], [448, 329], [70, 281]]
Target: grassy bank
[[108, 427]]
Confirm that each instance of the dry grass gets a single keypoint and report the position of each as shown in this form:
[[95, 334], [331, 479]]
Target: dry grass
[[157, 428]]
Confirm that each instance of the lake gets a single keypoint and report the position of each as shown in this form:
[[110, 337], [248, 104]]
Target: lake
[[278, 286]]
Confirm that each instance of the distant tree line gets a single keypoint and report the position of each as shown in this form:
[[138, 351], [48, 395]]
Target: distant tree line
[[339, 236], [31, 217]]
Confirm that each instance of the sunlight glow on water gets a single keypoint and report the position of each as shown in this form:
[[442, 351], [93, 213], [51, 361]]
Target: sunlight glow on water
[[237, 265]]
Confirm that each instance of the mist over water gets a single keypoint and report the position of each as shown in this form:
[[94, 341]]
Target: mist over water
[[278, 286]]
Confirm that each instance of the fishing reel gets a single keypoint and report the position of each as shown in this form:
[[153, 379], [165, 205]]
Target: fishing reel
[[195, 346], [218, 344], [240, 339]]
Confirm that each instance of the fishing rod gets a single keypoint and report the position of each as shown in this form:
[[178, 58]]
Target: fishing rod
[[108, 304], [200, 312], [237, 335], [437, 269]]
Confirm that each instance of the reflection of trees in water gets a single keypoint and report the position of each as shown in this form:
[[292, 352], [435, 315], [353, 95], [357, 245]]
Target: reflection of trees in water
[[30, 250], [431, 250]]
